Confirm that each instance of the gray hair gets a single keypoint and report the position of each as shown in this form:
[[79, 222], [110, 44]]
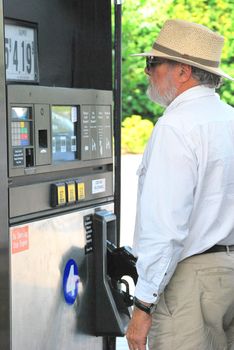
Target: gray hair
[[206, 78], [203, 77]]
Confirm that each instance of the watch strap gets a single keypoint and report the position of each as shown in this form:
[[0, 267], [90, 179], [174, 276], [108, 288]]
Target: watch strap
[[143, 307]]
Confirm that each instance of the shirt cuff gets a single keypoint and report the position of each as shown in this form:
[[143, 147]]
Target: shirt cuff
[[145, 292]]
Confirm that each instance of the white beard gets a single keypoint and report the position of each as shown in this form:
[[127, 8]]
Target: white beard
[[165, 99]]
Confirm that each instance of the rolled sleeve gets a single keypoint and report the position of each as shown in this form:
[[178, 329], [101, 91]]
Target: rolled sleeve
[[145, 291]]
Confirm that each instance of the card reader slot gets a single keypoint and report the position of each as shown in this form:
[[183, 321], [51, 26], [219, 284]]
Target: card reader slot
[[29, 157], [42, 138]]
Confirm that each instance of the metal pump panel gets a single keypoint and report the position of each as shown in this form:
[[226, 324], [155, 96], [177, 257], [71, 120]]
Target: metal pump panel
[[56, 169]]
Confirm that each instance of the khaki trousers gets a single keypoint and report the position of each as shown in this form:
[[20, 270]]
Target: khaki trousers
[[196, 310]]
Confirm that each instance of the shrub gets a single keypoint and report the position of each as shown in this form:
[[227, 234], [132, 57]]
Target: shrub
[[135, 134]]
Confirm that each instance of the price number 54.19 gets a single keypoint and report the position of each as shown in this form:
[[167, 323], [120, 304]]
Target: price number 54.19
[[19, 56]]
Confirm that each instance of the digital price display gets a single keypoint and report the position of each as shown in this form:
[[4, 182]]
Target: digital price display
[[21, 54]]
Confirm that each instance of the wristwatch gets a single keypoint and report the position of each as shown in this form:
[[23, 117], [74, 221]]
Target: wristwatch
[[148, 309]]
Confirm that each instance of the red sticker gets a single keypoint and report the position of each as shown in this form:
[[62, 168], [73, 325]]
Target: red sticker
[[20, 241]]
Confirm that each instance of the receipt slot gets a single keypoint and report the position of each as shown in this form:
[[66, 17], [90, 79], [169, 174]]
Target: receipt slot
[[112, 299]]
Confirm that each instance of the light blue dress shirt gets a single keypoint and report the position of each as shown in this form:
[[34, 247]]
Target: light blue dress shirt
[[186, 188]]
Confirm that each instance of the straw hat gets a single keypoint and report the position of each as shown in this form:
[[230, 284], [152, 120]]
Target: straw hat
[[189, 43]]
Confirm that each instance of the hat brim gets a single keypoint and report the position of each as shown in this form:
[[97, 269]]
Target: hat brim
[[217, 71]]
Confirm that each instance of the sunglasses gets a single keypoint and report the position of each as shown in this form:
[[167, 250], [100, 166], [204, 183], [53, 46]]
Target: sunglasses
[[152, 61]]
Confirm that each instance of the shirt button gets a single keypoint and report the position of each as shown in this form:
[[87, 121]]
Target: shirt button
[[154, 295]]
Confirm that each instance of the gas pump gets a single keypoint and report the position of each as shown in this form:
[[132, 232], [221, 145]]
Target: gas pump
[[61, 271]]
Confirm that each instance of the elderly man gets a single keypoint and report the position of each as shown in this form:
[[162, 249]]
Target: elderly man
[[184, 237]]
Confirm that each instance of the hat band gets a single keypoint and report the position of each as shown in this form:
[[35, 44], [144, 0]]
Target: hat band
[[167, 51]]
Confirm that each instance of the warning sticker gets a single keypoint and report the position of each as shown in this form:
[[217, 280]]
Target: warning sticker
[[19, 239]]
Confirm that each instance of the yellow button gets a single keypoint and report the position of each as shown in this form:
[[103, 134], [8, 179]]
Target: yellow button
[[81, 190], [61, 194], [22, 124], [71, 192]]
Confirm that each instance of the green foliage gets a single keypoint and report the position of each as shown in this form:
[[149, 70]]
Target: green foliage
[[135, 134], [143, 19], [139, 30]]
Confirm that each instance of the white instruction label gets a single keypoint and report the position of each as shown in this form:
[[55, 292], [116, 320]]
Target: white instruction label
[[74, 114], [98, 186]]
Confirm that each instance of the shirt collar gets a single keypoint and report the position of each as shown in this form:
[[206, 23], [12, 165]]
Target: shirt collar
[[191, 94]]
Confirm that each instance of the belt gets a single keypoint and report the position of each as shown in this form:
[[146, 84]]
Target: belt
[[219, 248]]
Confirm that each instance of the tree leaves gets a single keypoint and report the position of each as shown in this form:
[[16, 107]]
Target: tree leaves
[[142, 21]]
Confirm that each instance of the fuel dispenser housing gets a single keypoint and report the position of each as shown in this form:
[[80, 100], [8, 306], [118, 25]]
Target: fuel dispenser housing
[[56, 176], [50, 195]]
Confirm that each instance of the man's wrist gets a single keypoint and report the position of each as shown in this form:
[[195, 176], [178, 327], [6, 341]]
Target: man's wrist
[[148, 308]]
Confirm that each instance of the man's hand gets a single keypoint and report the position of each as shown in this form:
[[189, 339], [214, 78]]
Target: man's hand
[[138, 330]]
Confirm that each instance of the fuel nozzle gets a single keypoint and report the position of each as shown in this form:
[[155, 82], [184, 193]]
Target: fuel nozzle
[[121, 262]]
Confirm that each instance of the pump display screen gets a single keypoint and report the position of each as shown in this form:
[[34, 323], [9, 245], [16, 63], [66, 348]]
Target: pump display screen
[[21, 113], [64, 132]]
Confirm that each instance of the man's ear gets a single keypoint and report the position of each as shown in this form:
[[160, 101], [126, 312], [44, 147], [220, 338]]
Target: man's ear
[[184, 72]]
